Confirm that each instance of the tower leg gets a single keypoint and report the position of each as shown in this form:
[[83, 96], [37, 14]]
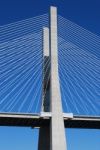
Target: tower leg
[[44, 132], [53, 137], [58, 139], [44, 138]]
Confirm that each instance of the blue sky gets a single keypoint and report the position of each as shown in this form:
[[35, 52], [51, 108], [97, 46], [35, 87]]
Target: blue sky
[[85, 13]]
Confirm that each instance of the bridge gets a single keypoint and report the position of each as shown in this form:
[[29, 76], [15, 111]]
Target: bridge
[[43, 120], [51, 81]]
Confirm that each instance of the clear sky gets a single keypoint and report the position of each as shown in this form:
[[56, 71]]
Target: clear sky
[[85, 13]]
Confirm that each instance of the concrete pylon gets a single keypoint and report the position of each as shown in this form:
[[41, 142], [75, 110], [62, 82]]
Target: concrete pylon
[[46, 71], [44, 132], [52, 137], [58, 139]]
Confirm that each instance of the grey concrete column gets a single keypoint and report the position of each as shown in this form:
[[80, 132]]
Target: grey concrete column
[[46, 50], [44, 132], [44, 138], [58, 139], [46, 71]]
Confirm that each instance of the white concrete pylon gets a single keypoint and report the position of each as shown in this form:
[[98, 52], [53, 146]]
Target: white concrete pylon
[[46, 56], [58, 139], [44, 132], [46, 41]]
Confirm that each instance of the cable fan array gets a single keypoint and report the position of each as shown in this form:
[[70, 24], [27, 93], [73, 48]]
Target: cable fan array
[[21, 67], [79, 69], [79, 36], [23, 27], [21, 64]]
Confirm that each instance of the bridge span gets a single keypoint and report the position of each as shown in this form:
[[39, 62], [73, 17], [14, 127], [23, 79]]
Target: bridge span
[[41, 120]]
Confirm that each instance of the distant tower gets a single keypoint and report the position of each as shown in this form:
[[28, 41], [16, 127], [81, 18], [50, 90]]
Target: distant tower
[[52, 137]]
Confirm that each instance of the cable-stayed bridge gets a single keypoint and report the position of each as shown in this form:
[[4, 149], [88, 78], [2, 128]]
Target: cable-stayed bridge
[[45, 62]]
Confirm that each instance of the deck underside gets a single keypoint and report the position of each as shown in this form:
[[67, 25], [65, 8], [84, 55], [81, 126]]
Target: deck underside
[[36, 120]]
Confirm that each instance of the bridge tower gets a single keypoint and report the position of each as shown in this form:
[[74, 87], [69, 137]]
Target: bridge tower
[[52, 137]]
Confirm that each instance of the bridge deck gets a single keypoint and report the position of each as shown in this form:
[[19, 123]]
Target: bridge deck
[[36, 120]]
